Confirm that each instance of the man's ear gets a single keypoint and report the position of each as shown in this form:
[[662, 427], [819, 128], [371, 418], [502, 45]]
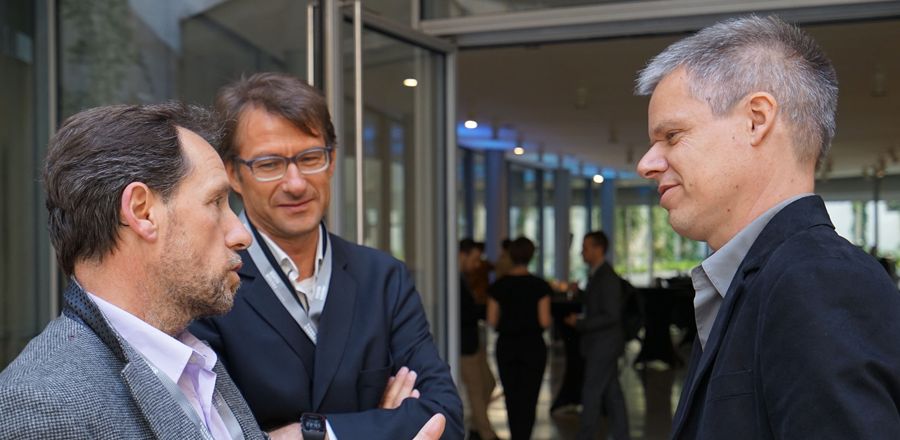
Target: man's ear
[[762, 108], [135, 211]]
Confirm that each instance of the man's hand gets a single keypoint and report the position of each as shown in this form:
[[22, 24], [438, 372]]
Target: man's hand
[[287, 432], [571, 319], [399, 388], [432, 429]]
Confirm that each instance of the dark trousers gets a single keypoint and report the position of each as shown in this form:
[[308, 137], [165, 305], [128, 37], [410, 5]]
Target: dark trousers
[[573, 376], [602, 391], [521, 361]]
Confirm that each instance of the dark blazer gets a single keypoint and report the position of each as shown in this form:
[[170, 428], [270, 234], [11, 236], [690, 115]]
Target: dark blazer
[[806, 344], [80, 379], [372, 324], [601, 328]]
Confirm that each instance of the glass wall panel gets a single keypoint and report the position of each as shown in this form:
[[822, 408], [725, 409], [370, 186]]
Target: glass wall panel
[[455, 8], [578, 220], [633, 243], [116, 51], [398, 123], [547, 243], [523, 203], [24, 252]]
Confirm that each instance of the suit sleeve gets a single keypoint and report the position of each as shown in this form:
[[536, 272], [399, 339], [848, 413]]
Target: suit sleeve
[[412, 346], [829, 353], [603, 304], [30, 413]]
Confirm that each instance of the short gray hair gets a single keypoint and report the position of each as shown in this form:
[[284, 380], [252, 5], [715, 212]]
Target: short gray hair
[[731, 59]]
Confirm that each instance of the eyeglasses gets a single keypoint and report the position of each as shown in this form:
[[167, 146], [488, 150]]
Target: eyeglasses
[[269, 168]]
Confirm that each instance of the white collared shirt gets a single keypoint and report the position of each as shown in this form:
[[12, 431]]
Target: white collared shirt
[[311, 291]]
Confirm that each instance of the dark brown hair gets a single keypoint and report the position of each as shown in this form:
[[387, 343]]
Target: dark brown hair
[[521, 250], [598, 238], [279, 94], [96, 154]]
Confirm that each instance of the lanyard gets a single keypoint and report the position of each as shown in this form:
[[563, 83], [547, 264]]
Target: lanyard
[[285, 296], [231, 424]]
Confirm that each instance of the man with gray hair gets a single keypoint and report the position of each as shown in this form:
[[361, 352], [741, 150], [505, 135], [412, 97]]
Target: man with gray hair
[[797, 328]]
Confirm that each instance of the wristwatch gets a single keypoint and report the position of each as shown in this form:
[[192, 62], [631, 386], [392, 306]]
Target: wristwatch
[[312, 426]]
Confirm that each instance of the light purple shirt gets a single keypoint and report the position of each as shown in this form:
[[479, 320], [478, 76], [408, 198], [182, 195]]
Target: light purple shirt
[[186, 361]]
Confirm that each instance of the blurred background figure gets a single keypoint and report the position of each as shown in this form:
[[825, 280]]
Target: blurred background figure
[[519, 309], [504, 262], [602, 342], [474, 370]]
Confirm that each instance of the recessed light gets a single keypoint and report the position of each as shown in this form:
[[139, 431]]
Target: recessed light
[[471, 124], [518, 151], [410, 82], [598, 178]]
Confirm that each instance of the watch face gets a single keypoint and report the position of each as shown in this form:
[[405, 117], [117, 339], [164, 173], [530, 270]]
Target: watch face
[[313, 423]]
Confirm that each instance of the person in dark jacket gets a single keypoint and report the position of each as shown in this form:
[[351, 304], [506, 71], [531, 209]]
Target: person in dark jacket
[[602, 342], [797, 329]]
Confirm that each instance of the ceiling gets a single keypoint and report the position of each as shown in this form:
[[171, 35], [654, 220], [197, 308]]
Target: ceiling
[[576, 98]]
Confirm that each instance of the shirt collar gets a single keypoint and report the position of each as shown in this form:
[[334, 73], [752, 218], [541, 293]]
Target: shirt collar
[[168, 354], [723, 264], [287, 265]]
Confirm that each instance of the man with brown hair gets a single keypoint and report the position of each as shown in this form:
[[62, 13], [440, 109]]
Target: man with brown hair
[[320, 325]]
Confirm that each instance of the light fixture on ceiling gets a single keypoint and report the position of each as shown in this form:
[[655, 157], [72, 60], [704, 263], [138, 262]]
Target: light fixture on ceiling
[[410, 82], [598, 178], [471, 124], [518, 151]]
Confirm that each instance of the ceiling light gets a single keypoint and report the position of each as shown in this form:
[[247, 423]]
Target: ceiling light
[[598, 178], [410, 82], [471, 124], [518, 151]]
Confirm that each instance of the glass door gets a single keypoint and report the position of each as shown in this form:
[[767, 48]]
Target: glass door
[[393, 84]]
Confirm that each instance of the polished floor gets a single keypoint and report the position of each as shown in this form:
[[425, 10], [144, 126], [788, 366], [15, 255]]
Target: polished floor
[[651, 395]]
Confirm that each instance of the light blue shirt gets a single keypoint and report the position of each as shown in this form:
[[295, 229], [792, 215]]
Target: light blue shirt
[[713, 276]]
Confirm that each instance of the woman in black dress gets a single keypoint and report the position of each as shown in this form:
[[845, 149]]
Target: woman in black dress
[[519, 309]]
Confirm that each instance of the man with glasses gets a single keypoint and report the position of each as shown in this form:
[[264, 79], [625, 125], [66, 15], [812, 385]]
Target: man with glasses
[[323, 330]]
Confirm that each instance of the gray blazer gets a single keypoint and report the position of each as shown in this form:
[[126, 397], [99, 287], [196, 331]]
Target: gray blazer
[[79, 379]]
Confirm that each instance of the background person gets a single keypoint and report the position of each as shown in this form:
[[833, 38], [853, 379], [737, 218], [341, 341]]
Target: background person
[[519, 309]]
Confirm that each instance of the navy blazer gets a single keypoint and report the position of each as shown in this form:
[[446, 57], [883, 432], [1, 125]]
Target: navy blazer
[[806, 344], [372, 324]]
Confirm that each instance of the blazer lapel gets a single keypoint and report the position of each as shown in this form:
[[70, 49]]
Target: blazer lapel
[[800, 215], [335, 322], [261, 298], [701, 364], [159, 408]]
